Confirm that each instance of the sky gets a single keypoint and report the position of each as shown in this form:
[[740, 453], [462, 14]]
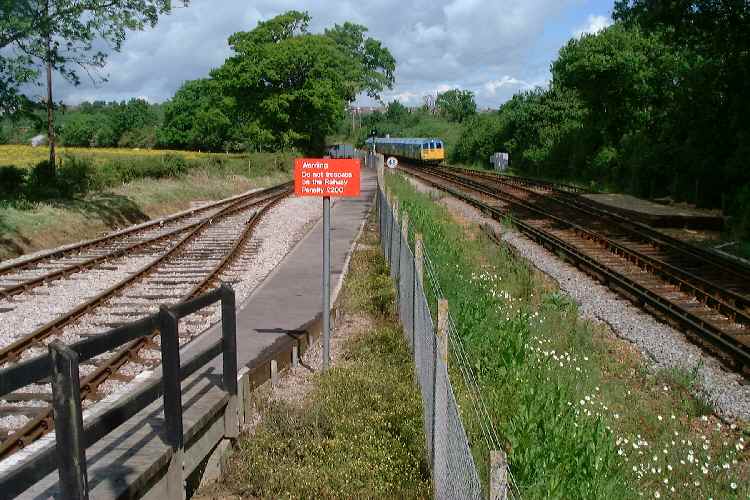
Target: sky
[[494, 48]]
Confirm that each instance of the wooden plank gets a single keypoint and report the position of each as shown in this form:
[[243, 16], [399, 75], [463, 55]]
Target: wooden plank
[[28, 411], [134, 456]]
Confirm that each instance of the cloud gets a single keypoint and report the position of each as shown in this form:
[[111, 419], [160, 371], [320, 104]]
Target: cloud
[[506, 81], [491, 47], [594, 24]]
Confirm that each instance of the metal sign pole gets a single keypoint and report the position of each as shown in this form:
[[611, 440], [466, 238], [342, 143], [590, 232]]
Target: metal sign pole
[[326, 282]]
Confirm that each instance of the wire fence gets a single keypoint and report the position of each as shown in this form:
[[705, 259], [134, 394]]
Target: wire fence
[[439, 351]]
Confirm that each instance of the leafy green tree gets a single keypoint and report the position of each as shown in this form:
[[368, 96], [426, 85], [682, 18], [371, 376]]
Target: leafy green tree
[[481, 136], [138, 138], [373, 71], [706, 130], [542, 131], [290, 86], [80, 130], [89, 130], [396, 111], [456, 105], [622, 75], [60, 36], [135, 114], [197, 118]]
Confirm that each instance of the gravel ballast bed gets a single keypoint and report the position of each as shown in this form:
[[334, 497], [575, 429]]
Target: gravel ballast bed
[[663, 346], [274, 236]]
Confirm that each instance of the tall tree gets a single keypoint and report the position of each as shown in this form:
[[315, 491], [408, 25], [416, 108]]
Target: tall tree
[[59, 36], [374, 64], [197, 117], [291, 86], [456, 105], [707, 127]]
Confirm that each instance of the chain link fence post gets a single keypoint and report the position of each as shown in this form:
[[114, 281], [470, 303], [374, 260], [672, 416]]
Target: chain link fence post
[[498, 475], [406, 282], [440, 404], [418, 279], [454, 471]]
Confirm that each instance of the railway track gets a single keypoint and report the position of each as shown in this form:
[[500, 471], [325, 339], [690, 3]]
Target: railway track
[[719, 263], [194, 257], [725, 279], [27, 274], [702, 296]]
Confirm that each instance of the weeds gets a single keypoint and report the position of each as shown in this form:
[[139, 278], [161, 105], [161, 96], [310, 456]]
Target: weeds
[[359, 432], [578, 417]]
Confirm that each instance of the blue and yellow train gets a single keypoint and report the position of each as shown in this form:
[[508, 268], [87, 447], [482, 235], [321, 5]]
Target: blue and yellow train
[[429, 151]]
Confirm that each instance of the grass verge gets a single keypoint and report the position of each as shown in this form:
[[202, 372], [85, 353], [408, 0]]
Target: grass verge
[[358, 432], [29, 226], [580, 413]]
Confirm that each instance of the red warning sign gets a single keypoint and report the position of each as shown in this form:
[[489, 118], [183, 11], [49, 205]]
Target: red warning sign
[[324, 177]]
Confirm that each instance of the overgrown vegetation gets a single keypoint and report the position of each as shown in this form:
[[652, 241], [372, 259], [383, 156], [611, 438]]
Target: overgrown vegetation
[[358, 434], [560, 390], [653, 105], [78, 175], [97, 194]]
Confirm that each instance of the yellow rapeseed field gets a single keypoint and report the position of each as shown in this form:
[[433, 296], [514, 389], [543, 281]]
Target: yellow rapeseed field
[[28, 156]]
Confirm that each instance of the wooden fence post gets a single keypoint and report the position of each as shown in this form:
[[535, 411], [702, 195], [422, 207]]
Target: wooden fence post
[[417, 286], [396, 259], [440, 403], [498, 475], [229, 356], [172, 386], [419, 258], [405, 241], [71, 449]]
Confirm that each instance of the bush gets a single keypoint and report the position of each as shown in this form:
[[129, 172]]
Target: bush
[[12, 181], [139, 138], [130, 169], [171, 166], [77, 176], [42, 181], [109, 174]]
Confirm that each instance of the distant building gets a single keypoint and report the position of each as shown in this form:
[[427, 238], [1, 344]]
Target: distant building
[[39, 140], [366, 110]]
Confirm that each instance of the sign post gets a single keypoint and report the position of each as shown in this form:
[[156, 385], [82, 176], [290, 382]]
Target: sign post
[[325, 178]]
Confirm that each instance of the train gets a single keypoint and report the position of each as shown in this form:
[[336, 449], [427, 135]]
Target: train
[[429, 151]]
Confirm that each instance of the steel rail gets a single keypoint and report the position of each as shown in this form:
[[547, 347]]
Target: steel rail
[[13, 351], [706, 256], [28, 285], [730, 345], [671, 274], [44, 422], [710, 290], [77, 248]]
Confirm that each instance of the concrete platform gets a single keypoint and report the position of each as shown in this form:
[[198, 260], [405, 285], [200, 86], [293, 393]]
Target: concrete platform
[[290, 298], [131, 461], [657, 215]]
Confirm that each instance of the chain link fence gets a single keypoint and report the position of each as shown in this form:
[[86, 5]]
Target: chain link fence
[[438, 350]]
